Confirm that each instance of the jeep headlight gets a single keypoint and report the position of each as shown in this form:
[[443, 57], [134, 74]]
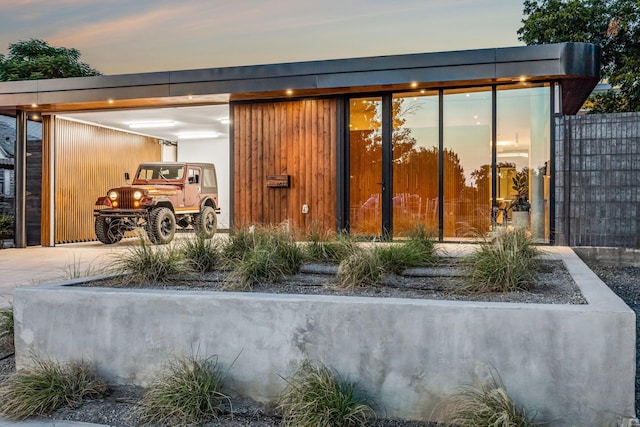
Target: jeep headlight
[[137, 195], [113, 196]]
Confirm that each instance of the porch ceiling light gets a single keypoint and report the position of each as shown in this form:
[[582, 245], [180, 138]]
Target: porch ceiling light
[[198, 135], [152, 124]]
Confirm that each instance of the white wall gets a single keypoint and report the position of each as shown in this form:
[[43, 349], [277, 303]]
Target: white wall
[[169, 153], [214, 151]]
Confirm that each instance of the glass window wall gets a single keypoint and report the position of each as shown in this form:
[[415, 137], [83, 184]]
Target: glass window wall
[[415, 162], [523, 155], [365, 154], [467, 163]]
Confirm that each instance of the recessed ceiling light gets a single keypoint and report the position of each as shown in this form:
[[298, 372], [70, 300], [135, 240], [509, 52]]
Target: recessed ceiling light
[[414, 84], [34, 105], [289, 91], [110, 101], [198, 135], [152, 124]]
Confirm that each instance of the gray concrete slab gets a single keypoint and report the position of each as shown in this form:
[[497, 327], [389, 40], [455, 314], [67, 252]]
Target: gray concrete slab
[[37, 264]]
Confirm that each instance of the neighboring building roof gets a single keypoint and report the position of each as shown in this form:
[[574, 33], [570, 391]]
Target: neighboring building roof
[[575, 65], [8, 134]]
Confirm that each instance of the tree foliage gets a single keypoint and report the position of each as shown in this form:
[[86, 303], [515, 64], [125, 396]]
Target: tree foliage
[[36, 59], [612, 24]]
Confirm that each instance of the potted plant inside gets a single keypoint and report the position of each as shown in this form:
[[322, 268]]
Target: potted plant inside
[[520, 207]]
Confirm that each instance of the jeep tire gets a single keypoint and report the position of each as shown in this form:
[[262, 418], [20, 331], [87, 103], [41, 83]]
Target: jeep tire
[[206, 222], [108, 230], [161, 226]]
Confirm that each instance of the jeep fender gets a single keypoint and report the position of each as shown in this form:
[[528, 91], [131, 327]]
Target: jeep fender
[[208, 201], [162, 203]]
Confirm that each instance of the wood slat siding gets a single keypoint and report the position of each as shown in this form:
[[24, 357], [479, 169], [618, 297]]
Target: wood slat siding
[[89, 160], [45, 216], [296, 138]]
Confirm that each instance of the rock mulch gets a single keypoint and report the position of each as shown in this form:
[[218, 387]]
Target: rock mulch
[[554, 285]]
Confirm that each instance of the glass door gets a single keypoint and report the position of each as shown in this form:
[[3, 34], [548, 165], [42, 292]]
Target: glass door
[[365, 166]]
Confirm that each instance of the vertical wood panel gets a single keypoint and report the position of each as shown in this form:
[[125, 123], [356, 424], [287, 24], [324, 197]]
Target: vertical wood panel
[[89, 161], [295, 138], [47, 197]]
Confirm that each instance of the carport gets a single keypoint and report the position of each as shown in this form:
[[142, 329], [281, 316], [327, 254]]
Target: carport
[[287, 152]]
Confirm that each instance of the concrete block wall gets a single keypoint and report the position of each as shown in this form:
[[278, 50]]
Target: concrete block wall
[[598, 180]]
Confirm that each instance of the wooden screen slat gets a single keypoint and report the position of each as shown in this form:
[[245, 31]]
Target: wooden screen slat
[[88, 161]]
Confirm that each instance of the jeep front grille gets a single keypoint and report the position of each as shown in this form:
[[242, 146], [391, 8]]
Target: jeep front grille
[[125, 197]]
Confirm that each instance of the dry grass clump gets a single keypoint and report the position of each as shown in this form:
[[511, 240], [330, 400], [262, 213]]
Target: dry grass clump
[[47, 386], [483, 403], [362, 268], [6, 328], [505, 264], [146, 263], [367, 267], [316, 396], [201, 253], [328, 250], [261, 255], [187, 392]]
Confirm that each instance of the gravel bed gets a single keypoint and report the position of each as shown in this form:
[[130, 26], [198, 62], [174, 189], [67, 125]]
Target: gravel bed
[[553, 286]]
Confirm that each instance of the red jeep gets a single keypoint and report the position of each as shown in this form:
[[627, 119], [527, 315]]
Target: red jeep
[[162, 197]]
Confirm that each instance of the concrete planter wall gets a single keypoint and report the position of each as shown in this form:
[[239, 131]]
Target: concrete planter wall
[[574, 363]]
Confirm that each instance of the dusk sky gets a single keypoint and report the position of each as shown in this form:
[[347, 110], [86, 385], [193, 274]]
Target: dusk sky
[[130, 36]]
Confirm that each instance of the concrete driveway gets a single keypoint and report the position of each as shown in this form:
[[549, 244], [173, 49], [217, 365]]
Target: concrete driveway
[[35, 264]]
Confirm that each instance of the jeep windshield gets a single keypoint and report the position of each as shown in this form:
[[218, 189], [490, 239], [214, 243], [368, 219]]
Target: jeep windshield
[[160, 172]]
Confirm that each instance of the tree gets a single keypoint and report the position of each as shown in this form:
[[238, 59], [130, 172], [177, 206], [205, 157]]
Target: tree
[[36, 59], [612, 24]]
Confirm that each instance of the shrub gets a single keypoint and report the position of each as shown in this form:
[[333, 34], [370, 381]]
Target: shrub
[[362, 268], [483, 403], [201, 253], [145, 263], [316, 396], [324, 250], [423, 243], [505, 264], [47, 386], [258, 265], [268, 255], [240, 242], [187, 392], [6, 327], [6, 228]]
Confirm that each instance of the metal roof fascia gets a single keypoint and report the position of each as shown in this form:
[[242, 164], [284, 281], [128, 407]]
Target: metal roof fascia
[[558, 61]]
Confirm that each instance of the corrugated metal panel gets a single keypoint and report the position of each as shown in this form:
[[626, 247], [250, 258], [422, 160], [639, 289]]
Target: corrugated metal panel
[[89, 160]]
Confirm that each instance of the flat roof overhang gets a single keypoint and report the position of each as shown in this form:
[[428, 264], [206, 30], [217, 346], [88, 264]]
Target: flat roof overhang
[[575, 65]]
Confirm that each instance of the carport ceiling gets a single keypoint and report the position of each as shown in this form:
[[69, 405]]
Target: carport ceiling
[[172, 124]]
